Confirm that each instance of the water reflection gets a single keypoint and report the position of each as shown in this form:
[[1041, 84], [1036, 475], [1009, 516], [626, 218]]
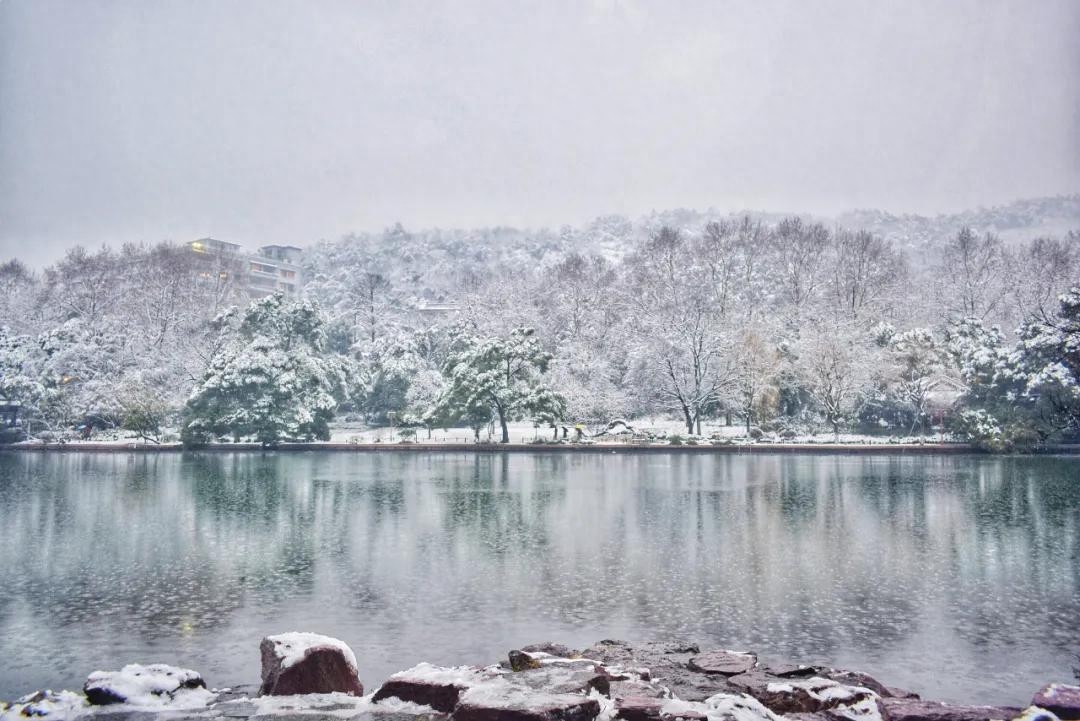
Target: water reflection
[[959, 577]]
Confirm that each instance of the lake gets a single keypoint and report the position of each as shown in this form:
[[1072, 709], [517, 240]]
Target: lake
[[955, 576]]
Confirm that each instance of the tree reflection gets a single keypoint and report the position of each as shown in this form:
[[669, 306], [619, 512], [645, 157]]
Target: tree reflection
[[874, 561]]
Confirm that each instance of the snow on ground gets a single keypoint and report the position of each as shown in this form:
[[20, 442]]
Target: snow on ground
[[656, 428], [331, 704]]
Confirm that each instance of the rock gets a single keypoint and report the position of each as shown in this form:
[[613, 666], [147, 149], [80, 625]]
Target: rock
[[667, 665], [1035, 713], [554, 649], [1060, 699], [797, 695], [428, 685], [646, 709], [790, 670], [902, 709], [153, 685], [855, 678], [303, 663], [519, 661], [725, 663], [559, 679], [635, 689], [62, 704], [501, 700]]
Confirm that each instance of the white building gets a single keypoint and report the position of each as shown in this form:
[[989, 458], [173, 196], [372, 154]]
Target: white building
[[271, 269]]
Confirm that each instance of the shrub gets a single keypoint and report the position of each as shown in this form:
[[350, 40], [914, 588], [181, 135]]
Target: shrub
[[675, 439]]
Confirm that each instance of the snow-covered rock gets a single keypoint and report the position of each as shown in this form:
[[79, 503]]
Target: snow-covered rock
[[305, 663], [435, 686], [902, 709], [726, 663], [500, 699], [721, 707], [156, 685], [1061, 699], [60, 705]]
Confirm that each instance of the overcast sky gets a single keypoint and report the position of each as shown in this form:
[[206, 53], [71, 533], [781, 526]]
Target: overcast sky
[[269, 121]]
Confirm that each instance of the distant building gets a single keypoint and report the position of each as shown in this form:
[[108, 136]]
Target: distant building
[[436, 308], [271, 269]]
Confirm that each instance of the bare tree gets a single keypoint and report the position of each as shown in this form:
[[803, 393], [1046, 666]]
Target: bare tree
[[683, 342], [865, 268], [799, 251], [972, 275], [1042, 270]]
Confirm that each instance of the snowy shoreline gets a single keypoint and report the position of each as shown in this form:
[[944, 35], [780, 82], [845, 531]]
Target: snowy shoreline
[[317, 677], [883, 448]]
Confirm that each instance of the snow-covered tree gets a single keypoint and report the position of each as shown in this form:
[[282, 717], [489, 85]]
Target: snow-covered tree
[[1046, 368], [757, 366], [272, 380], [682, 334], [865, 269], [917, 360], [504, 374], [836, 364], [972, 275]]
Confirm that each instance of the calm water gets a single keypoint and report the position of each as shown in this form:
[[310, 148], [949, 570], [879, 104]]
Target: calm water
[[958, 577]]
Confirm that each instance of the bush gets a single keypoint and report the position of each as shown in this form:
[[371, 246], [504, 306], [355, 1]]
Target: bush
[[675, 439], [756, 433]]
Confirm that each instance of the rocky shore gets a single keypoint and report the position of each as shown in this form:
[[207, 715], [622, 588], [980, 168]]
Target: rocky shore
[[307, 677]]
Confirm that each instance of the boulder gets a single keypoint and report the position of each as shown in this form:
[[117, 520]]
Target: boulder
[[1061, 699], [1035, 713], [665, 664], [903, 709], [802, 695], [559, 679], [154, 685], [554, 649], [856, 678], [791, 670], [520, 660], [58, 704], [635, 689], [725, 663], [303, 663], [501, 700], [434, 686]]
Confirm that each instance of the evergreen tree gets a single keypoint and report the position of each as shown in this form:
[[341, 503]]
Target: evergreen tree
[[272, 379], [504, 375]]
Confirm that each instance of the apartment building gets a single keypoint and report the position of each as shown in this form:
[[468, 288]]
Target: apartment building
[[271, 269]]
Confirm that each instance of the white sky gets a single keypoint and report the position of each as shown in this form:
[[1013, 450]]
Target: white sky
[[279, 121]]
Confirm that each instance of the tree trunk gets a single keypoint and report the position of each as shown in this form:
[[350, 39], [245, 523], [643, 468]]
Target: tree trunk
[[505, 430], [699, 424], [689, 420]]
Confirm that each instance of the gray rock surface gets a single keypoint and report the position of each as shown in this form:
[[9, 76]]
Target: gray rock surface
[[902, 709], [1063, 700]]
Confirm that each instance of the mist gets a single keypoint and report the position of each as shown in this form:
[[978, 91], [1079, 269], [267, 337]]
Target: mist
[[287, 122]]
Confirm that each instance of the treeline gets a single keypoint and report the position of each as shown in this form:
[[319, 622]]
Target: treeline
[[789, 326]]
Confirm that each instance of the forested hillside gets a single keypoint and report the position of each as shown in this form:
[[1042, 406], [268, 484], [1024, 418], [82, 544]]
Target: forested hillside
[[869, 321]]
